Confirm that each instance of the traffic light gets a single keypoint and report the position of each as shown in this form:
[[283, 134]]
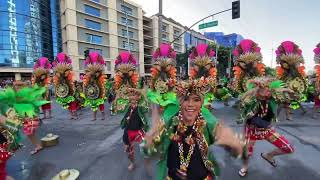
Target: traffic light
[[235, 9], [86, 53]]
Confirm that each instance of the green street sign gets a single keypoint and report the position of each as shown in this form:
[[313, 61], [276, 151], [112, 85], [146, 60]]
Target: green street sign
[[209, 24]]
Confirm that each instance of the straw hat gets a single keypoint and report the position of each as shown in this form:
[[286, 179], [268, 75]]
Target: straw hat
[[50, 140], [67, 174]]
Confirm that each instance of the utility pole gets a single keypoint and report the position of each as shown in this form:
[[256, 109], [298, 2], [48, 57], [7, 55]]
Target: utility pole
[[160, 22], [127, 28], [272, 57]]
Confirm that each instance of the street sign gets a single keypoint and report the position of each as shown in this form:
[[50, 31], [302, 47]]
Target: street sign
[[209, 24]]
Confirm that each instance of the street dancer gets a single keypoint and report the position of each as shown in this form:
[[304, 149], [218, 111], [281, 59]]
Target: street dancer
[[94, 84], [292, 72], [134, 123], [317, 81], [63, 81], [41, 77], [248, 65], [125, 77], [163, 76], [183, 134], [17, 108], [258, 110]]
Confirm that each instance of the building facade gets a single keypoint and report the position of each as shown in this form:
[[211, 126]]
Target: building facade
[[25, 35], [170, 31], [229, 40], [105, 26]]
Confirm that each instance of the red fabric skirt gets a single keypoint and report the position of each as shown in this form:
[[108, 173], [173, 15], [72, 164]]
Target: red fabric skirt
[[46, 107], [4, 156], [73, 106], [135, 136], [30, 126], [316, 101], [101, 107]]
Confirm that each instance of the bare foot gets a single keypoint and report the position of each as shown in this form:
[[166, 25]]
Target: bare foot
[[131, 167], [36, 150]]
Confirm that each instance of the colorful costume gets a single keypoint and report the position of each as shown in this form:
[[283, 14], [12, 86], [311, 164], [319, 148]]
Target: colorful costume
[[63, 81], [222, 92], [184, 149], [134, 123], [41, 77], [202, 66], [248, 64], [163, 76], [19, 109], [258, 110], [291, 71], [94, 82], [125, 77], [317, 71]]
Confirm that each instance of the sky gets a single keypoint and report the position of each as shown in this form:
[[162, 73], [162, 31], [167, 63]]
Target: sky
[[267, 22]]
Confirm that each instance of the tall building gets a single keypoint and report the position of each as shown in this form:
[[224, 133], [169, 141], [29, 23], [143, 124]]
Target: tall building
[[193, 38], [106, 26], [170, 31], [229, 40], [56, 27], [25, 35], [148, 43]]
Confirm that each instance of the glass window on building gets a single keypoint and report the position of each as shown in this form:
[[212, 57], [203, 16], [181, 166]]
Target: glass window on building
[[124, 21], [96, 1], [95, 50], [125, 45], [124, 33], [94, 38], [176, 32], [92, 24], [164, 37], [92, 10], [164, 28], [176, 47], [126, 9]]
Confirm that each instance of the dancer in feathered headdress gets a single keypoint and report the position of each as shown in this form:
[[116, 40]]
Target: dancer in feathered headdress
[[125, 77], [163, 76], [183, 133], [41, 77], [94, 83], [202, 65], [258, 110], [317, 81], [292, 72], [63, 81], [248, 64], [17, 107]]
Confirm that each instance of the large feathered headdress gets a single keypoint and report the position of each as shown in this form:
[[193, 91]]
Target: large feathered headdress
[[126, 74], [289, 56], [289, 52], [317, 54], [193, 86], [41, 70], [201, 59], [163, 71], [63, 79], [269, 88]]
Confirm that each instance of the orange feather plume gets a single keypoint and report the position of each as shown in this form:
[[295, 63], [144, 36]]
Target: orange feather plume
[[301, 70], [280, 71], [237, 72], [173, 72], [213, 72], [261, 68], [154, 72]]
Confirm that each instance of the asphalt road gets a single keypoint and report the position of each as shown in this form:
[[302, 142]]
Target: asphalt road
[[96, 150]]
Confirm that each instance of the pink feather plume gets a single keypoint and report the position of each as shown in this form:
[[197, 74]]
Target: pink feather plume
[[165, 51], [126, 58], [246, 45]]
